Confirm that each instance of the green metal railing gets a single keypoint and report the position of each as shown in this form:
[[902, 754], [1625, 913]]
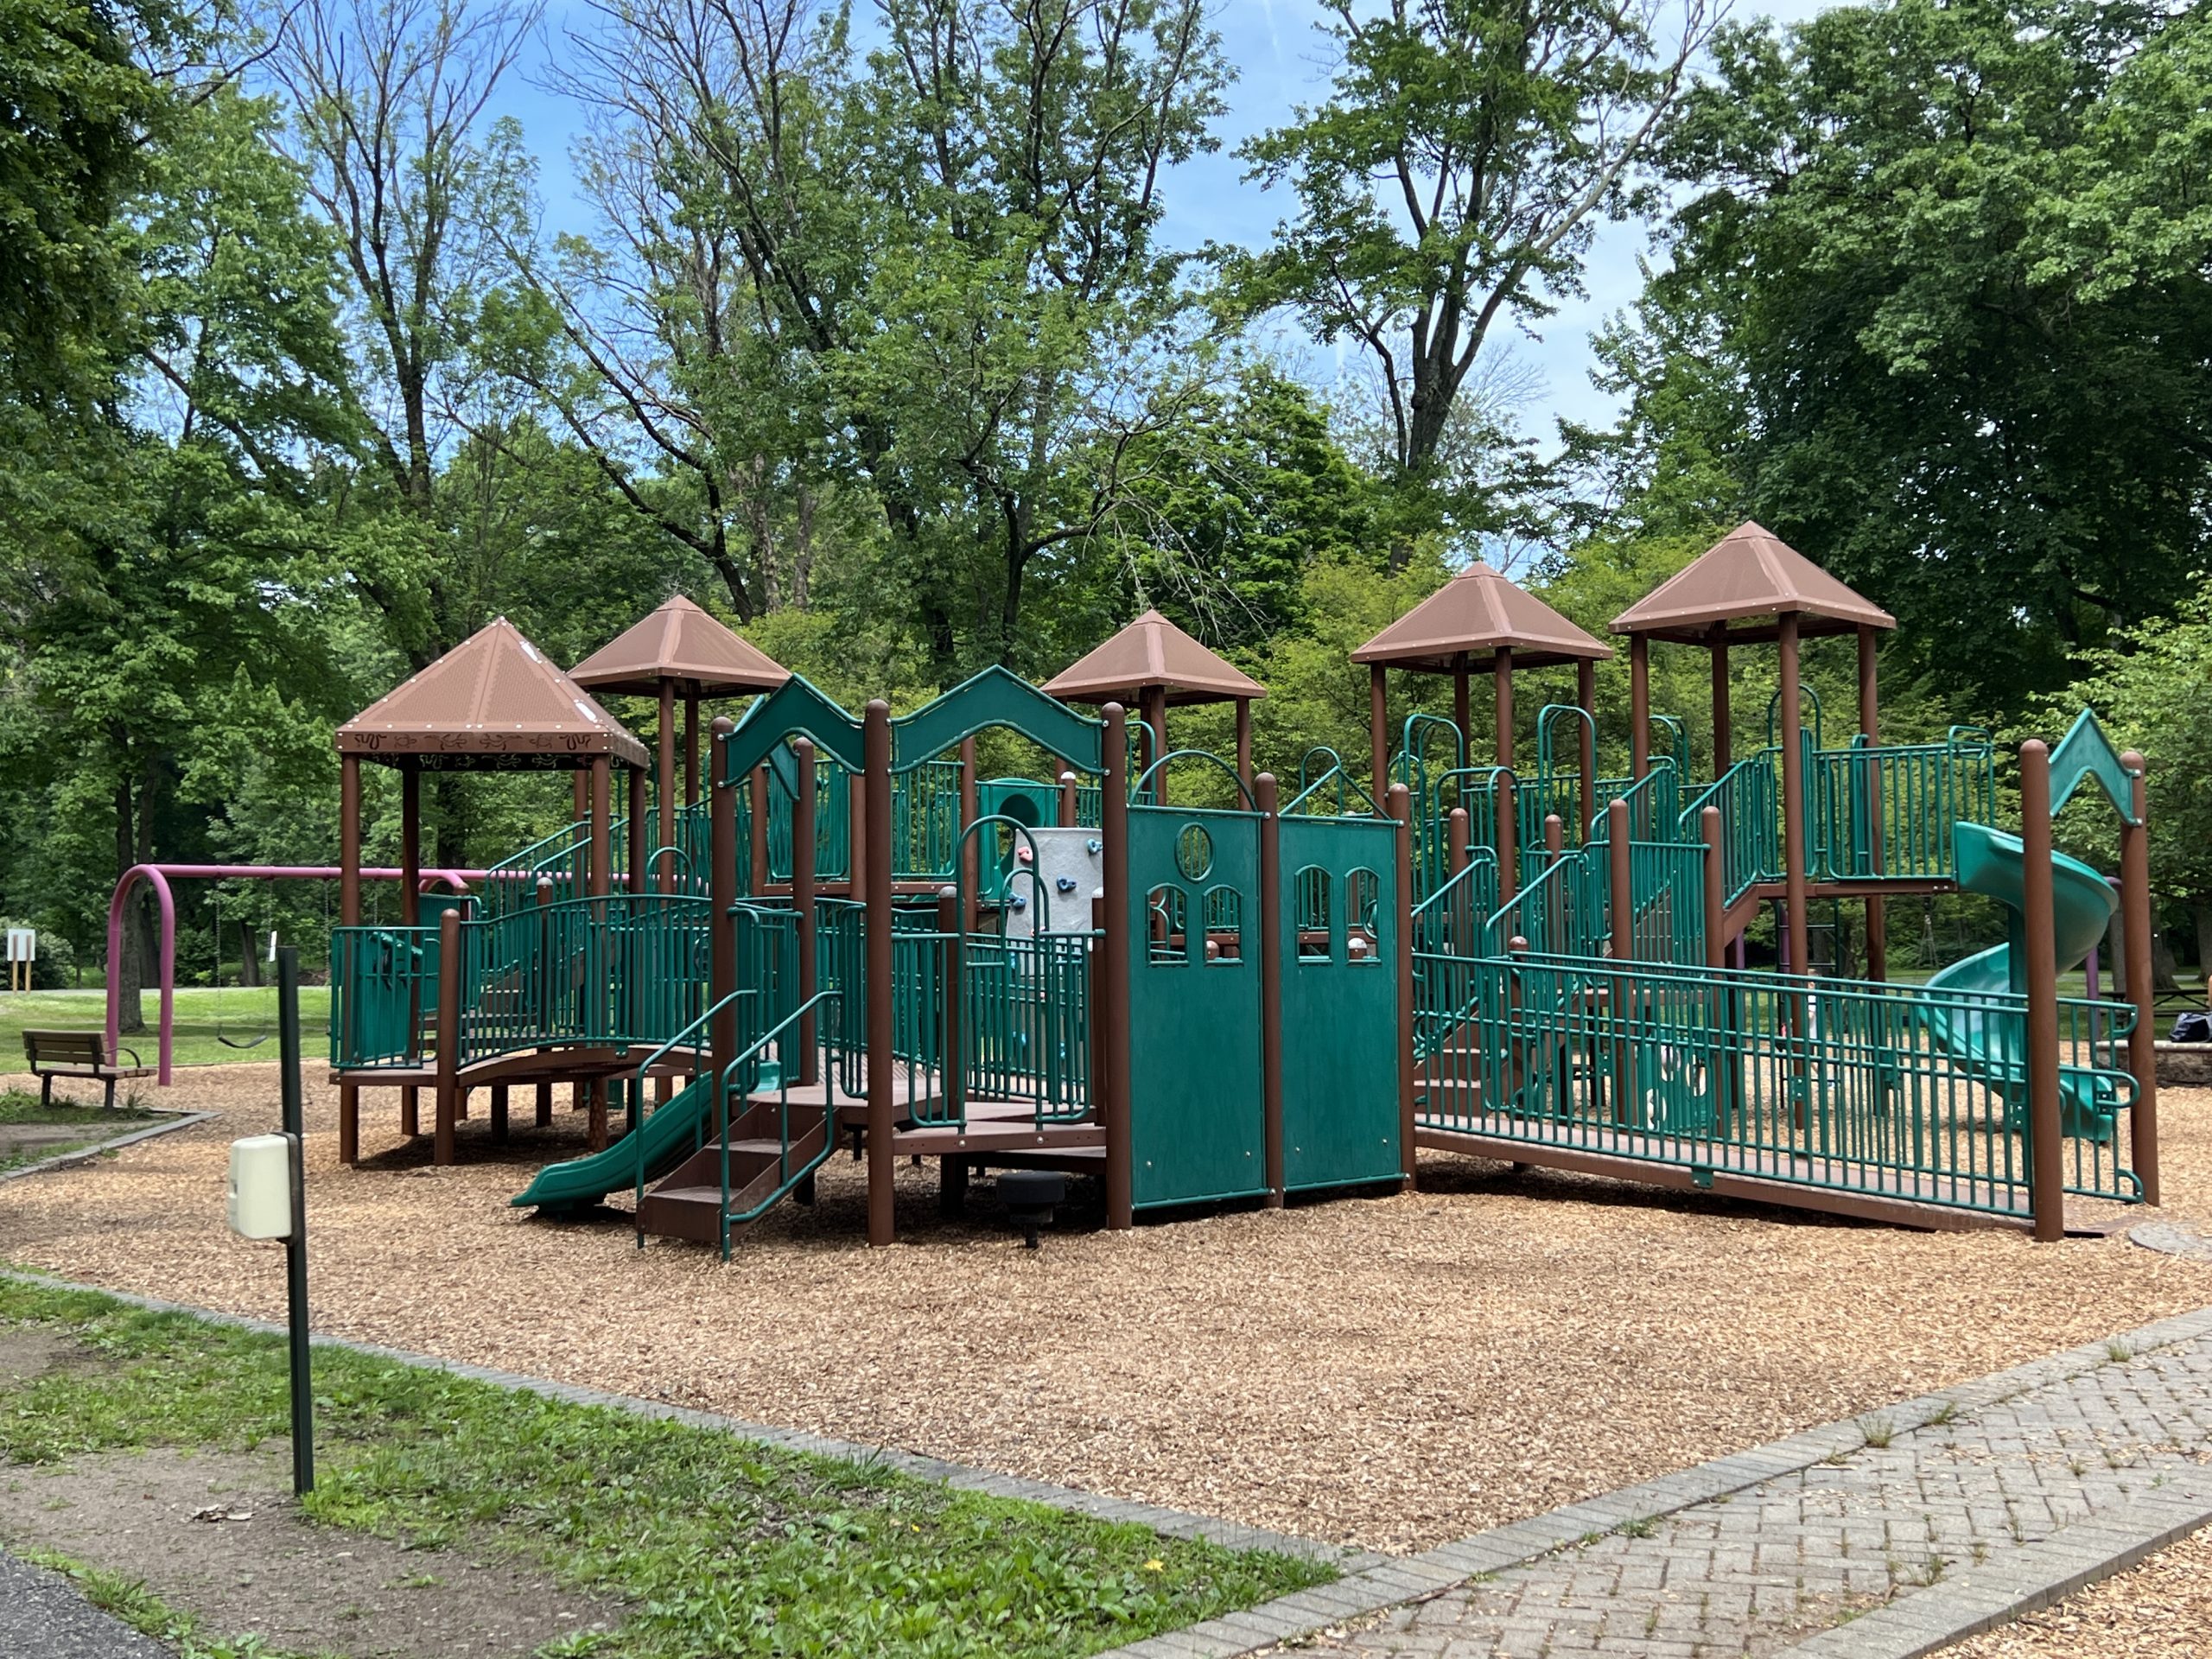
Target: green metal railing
[[1841, 1085], [384, 992], [1024, 1023], [1889, 812], [742, 1077]]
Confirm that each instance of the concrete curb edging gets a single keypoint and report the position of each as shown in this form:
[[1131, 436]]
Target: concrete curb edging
[[1170, 1524], [1400, 1580], [2035, 1577], [178, 1120]]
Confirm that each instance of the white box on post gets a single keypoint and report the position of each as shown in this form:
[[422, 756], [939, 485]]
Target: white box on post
[[261, 1186]]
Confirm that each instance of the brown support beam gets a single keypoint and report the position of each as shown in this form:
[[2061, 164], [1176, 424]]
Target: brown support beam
[[1154, 705], [1244, 740], [1267, 798], [856, 838], [721, 924], [349, 915], [638, 833], [1793, 801], [666, 742], [970, 846], [579, 795], [2040, 944], [1723, 724], [1114, 1004], [600, 879], [1378, 733], [1507, 835], [1639, 704], [410, 845], [1869, 725], [757, 789], [1621, 890], [692, 781], [1065, 812], [2135, 937], [803, 900], [1586, 698], [1463, 705], [1715, 884], [1400, 804], [883, 1087], [1501, 672], [448, 1090]]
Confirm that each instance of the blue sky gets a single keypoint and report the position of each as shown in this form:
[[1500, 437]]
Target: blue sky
[[1282, 59]]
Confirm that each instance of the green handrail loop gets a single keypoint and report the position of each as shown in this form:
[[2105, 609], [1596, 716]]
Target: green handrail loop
[[748, 1062], [1307, 784], [1144, 782], [653, 1060]]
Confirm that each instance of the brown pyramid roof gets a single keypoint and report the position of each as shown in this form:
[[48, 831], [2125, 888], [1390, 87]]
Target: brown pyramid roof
[[492, 703], [1749, 573], [679, 642], [1152, 651], [1479, 613]]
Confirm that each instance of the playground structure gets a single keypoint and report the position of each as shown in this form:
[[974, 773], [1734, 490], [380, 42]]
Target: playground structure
[[844, 933]]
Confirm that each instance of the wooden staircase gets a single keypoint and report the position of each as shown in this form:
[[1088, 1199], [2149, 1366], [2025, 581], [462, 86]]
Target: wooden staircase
[[687, 1203]]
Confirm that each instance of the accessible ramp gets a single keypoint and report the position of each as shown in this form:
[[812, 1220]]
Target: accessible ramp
[[1992, 1047]]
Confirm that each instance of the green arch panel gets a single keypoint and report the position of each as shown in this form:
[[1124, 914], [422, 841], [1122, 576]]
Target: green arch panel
[[794, 708], [997, 696]]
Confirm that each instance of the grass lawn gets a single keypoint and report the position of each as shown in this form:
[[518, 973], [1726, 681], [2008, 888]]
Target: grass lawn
[[242, 1015], [20, 1111], [711, 1544]]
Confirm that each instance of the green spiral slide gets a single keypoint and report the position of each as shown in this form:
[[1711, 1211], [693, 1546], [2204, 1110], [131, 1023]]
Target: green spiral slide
[[1994, 1046]]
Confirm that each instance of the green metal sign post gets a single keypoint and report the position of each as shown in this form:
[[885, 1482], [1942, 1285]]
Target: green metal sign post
[[295, 1244]]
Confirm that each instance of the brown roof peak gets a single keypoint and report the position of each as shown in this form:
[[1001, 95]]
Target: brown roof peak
[[493, 702], [1478, 613], [678, 641], [1152, 651], [1749, 574]]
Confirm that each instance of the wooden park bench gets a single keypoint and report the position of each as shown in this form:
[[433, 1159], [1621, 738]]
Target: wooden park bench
[[77, 1054]]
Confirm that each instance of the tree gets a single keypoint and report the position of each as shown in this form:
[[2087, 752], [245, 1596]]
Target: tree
[[1452, 179], [1950, 262]]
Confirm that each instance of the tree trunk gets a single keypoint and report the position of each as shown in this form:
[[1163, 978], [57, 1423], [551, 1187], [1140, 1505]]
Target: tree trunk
[[129, 973], [249, 957], [2163, 977], [2202, 915]]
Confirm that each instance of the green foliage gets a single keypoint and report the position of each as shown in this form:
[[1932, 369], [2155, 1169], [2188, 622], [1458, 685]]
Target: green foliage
[[718, 1544], [1950, 260]]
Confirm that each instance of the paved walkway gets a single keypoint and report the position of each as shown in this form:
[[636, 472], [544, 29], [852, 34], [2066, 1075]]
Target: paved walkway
[[1896, 1534], [43, 1616]]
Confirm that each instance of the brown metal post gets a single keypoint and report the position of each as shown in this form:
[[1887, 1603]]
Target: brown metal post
[[691, 777], [639, 832], [951, 1052], [1723, 727], [1639, 704], [600, 878], [2135, 933], [410, 845], [1870, 725], [1555, 850], [1622, 946], [721, 903], [349, 915], [1400, 803], [1715, 881], [2039, 944], [1501, 671], [1155, 706], [803, 900], [1586, 697], [1458, 855], [1463, 705], [449, 977], [1378, 732], [1114, 1005], [856, 838], [1267, 798], [757, 797], [1508, 832], [1065, 804], [883, 1087], [666, 781], [1244, 740], [970, 846], [579, 796], [1793, 808]]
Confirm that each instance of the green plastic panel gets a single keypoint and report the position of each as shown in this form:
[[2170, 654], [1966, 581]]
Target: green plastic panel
[[1339, 1002], [996, 697], [794, 708], [2086, 752], [1195, 1113]]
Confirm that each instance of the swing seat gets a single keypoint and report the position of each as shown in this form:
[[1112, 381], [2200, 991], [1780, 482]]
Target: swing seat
[[77, 1054]]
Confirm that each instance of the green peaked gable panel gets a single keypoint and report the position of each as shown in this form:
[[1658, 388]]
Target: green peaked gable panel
[[997, 697], [2086, 752], [794, 708]]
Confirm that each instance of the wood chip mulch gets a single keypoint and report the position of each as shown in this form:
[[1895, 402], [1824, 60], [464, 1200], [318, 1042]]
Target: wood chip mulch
[[2160, 1610], [1392, 1372]]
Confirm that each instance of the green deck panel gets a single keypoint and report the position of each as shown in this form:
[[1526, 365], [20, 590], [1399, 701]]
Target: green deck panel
[[1339, 1018], [1195, 1108]]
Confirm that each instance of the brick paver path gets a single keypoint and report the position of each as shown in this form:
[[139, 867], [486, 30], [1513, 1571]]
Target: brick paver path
[[1752, 1573]]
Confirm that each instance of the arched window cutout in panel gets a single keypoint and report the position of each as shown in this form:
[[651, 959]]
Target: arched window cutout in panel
[[1225, 926], [1167, 932], [1310, 900], [1362, 892]]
